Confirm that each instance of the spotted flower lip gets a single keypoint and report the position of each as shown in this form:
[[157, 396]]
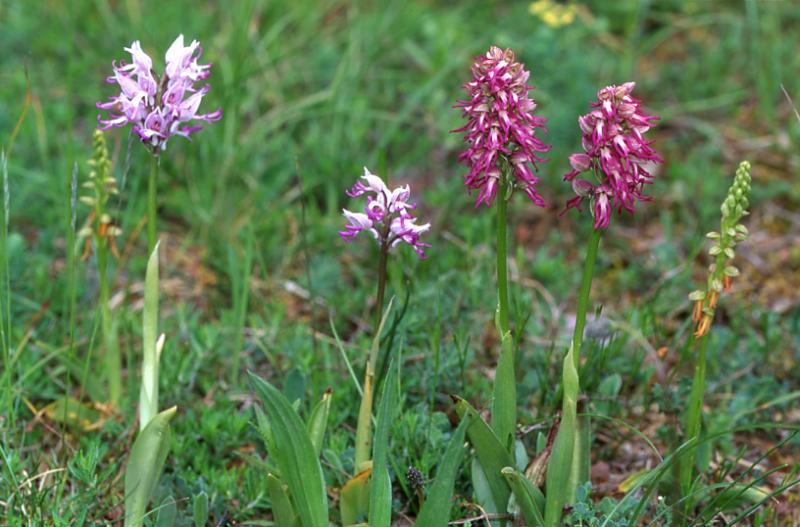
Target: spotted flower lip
[[615, 152], [386, 215], [159, 108], [501, 127]]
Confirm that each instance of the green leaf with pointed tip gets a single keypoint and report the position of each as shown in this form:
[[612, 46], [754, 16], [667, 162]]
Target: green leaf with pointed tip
[[200, 509], [167, 512], [148, 393], [529, 498], [560, 484], [435, 511], [295, 456], [318, 421], [354, 498], [492, 455], [146, 461], [504, 403], [282, 510], [380, 500]]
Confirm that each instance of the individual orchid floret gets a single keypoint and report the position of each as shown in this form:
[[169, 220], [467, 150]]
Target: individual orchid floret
[[387, 215], [616, 152], [500, 130], [159, 108]]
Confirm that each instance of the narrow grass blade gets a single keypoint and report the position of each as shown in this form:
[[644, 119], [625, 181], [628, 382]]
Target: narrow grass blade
[[295, 456], [144, 466], [504, 404], [282, 510], [491, 453], [529, 498], [380, 500], [435, 511], [560, 484], [318, 421]]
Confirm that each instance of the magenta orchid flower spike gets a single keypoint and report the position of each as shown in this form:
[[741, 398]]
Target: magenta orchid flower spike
[[159, 108], [386, 215], [616, 151], [500, 131]]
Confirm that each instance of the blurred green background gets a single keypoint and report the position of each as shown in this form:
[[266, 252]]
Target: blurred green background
[[311, 92]]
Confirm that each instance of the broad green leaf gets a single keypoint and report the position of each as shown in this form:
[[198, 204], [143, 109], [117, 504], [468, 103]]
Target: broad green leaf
[[354, 498], [492, 455], [529, 498], [504, 404], [560, 479], [264, 428], [146, 461], [380, 500], [482, 491], [282, 510], [148, 394], [318, 421], [167, 512], [581, 461], [200, 509], [435, 511], [295, 456]]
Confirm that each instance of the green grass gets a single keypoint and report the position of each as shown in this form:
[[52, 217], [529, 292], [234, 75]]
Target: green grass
[[312, 91]]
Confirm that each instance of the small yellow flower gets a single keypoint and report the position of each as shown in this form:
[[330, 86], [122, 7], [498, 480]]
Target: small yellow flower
[[553, 14]]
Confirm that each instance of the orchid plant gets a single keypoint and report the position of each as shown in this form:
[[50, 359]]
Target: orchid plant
[[101, 230], [502, 155], [721, 273], [620, 160], [387, 216]]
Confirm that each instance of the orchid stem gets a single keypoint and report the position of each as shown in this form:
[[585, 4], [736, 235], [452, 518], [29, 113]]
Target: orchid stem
[[363, 427], [583, 299], [583, 433], [382, 263], [502, 261], [113, 364], [694, 413], [504, 399], [151, 205]]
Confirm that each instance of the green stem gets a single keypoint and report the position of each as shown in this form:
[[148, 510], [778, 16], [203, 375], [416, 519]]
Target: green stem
[[580, 470], [151, 205], [694, 413], [502, 260], [504, 400], [364, 425], [583, 299], [112, 358], [382, 262]]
